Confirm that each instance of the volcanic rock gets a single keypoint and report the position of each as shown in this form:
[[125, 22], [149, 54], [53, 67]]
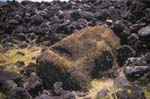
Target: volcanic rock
[[135, 72], [8, 85], [5, 75], [136, 93], [121, 82], [103, 93], [33, 84], [124, 52], [18, 93], [145, 33], [75, 58]]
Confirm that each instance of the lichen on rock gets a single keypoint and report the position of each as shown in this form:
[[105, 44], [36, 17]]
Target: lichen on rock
[[78, 57]]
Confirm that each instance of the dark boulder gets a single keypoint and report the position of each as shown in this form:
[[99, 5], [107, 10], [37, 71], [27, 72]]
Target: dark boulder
[[20, 29], [5, 75], [18, 93], [23, 44], [144, 34], [144, 80], [121, 82], [135, 61], [123, 94], [133, 40], [103, 93], [36, 19], [20, 36], [18, 64], [136, 93], [31, 67], [8, 85], [124, 52], [136, 72], [44, 96], [33, 84]]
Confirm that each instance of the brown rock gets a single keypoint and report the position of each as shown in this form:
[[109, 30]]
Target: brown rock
[[73, 60]]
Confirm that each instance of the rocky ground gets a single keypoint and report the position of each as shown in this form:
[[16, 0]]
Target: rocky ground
[[29, 29]]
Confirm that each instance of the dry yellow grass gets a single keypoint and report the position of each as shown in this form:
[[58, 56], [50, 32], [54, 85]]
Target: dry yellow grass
[[11, 56], [99, 84], [2, 96]]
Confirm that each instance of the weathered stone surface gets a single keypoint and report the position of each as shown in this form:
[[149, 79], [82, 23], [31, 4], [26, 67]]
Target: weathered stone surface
[[135, 72], [121, 82], [5, 75], [73, 59], [136, 93]]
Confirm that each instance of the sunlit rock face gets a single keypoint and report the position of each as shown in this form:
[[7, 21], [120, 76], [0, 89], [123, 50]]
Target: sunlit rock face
[[78, 57]]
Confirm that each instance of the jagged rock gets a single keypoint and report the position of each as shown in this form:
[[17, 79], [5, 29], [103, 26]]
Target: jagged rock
[[21, 29], [133, 40], [123, 94], [36, 19], [121, 82], [103, 93], [58, 88], [23, 44], [8, 85], [135, 61], [18, 64], [20, 36], [118, 27], [33, 84], [44, 97], [124, 52], [31, 67], [135, 72], [145, 33], [136, 93], [144, 79], [146, 58], [74, 59], [18, 93]]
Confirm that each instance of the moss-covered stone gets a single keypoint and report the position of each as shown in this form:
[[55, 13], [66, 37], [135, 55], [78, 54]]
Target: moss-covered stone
[[75, 58], [10, 57]]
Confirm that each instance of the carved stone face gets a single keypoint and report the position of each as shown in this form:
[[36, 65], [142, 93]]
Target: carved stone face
[[76, 58]]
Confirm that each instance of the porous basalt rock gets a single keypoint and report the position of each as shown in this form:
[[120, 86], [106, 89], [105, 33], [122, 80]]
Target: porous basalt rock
[[75, 59]]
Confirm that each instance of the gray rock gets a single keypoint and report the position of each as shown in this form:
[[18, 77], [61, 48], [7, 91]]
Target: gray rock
[[121, 82], [44, 96], [23, 44], [103, 93], [124, 52], [5, 75], [33, 84], [145, 31], [123, 94], [135, 72], [135, 61], [36, 19], [18, 93], [8, 85], [136, 93]]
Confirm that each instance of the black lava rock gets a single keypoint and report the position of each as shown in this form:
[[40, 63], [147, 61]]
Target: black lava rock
[[18, 93], [33, 84], [124, 52]]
